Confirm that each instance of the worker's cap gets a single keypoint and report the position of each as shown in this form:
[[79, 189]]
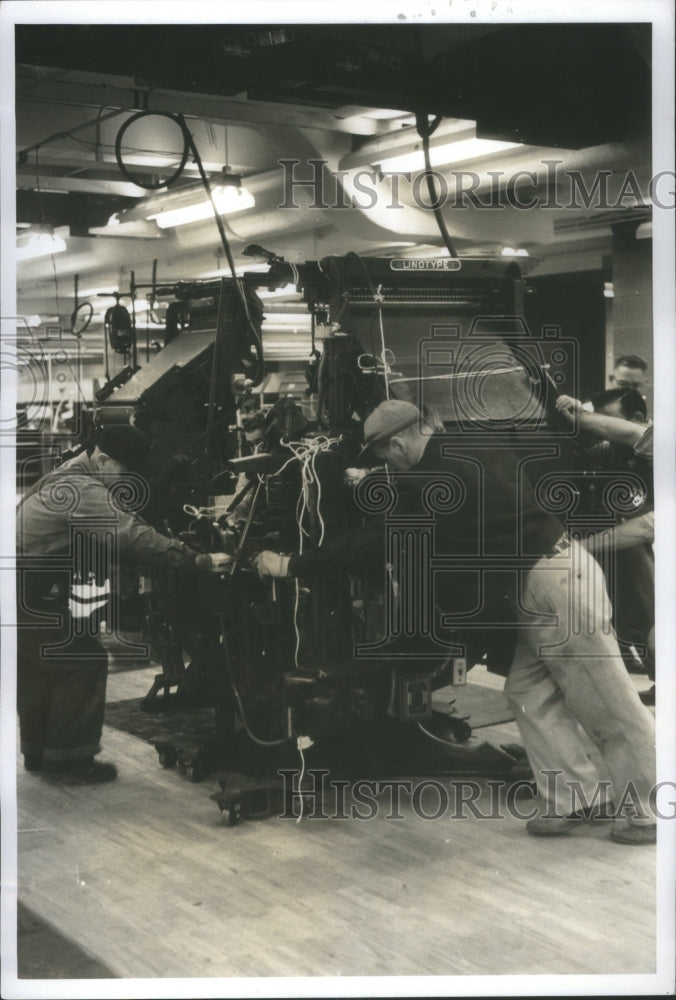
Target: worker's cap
[[388, 419], [126, 444]]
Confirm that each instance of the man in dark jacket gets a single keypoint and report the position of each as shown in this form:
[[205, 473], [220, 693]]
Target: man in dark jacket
[[73, 527], [567, 670]]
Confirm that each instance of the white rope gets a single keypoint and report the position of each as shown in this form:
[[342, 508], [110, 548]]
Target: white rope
[[306, 453], [436, 378], [379, 298]]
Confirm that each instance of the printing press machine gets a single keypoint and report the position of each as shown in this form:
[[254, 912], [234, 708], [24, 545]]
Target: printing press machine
[[333, 662]]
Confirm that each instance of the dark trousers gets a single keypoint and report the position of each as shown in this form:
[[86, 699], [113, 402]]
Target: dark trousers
[[61, 694]]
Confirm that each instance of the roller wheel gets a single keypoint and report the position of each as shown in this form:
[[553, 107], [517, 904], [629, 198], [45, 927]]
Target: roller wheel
[[233, 815], [167, 757], [194, 772], [463, 730]]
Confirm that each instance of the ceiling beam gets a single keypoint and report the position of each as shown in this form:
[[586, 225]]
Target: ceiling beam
[[51, 183], [93, 90]]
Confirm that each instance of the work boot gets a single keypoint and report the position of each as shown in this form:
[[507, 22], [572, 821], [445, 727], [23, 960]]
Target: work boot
[[557, 826], [635, 833], [32, 761], [648, 697], [85, 771]]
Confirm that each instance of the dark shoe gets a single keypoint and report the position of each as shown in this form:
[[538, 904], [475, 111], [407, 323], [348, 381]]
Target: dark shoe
[[32, 762], [86, 772], [635, 833], [648, 697], [558, 826]]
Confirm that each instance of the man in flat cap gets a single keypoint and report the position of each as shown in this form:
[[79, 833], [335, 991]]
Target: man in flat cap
[[561, 677], [71, 526]]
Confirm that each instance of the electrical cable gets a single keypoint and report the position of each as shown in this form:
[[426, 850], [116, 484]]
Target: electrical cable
[[306, 453], [150, 185], [459, 375], [425, 129], [256, 739], [74, 315], [69, 133], [190, 148], [300, 781], [250, 734], [379, 300], [437, 739]]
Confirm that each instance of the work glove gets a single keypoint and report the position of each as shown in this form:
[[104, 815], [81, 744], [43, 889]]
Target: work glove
[[271, 564], [352, 477]]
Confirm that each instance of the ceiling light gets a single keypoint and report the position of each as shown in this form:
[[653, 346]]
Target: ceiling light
[[512, 252], [450, 152], [39, 244], [228, 200], [384, 114]]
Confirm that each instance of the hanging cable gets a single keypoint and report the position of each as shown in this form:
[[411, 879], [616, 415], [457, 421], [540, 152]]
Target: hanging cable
[[233, 685], [190, 148], [379, 298], [437, 739], [306, 452], [425, 129], [69, 134]]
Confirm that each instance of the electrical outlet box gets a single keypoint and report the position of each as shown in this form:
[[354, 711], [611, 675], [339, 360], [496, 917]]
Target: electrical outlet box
[[458, 671]]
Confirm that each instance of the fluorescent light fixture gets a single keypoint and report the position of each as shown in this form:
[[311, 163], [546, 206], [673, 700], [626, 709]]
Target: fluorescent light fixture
[[150, 161], [228, 199], [288, 319], [446, 154], [384, 113], [512, 252], [608, 290], [275, 293], [39, 244]]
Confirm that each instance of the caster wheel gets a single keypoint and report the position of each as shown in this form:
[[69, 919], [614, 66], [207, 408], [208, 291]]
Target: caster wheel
[[194, 773], [167, 758], [463, 732], [233, 815]]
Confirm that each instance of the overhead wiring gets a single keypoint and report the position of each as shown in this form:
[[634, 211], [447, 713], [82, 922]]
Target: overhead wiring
[[69, 133], [190, 148], [425, 129]]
